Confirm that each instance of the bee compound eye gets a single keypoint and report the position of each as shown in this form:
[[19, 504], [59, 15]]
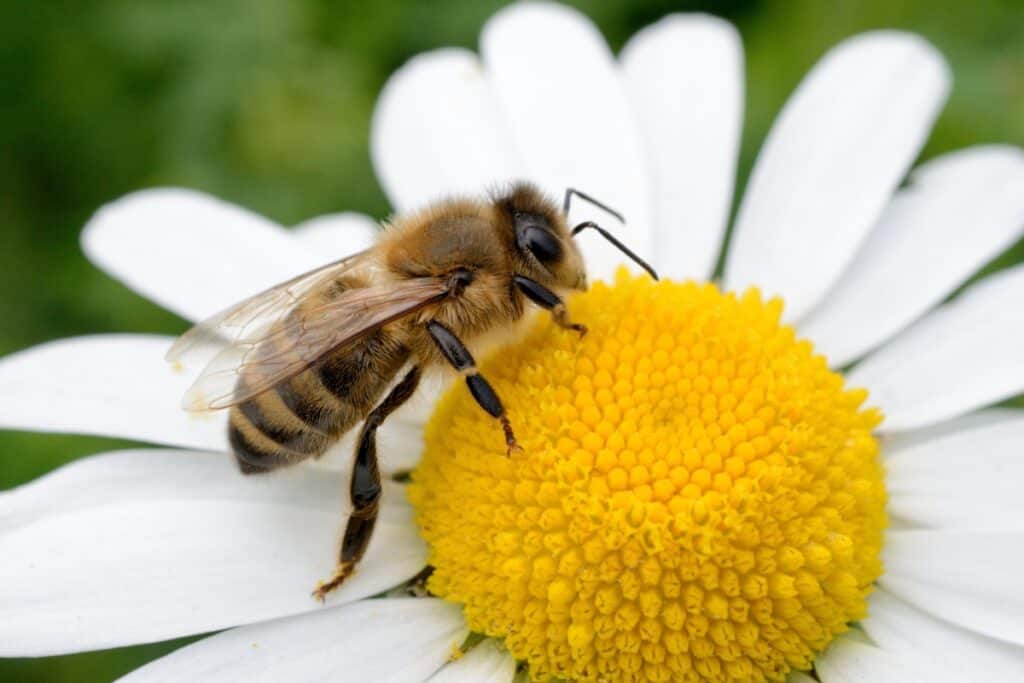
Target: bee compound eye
[[541, 243]]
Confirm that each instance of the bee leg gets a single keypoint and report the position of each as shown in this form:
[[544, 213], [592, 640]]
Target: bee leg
[[545, 298], [462, 360], [365, 488], [417, 586]]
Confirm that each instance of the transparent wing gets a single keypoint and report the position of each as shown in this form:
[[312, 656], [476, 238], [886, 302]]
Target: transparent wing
[[253, 364], [252, 318]]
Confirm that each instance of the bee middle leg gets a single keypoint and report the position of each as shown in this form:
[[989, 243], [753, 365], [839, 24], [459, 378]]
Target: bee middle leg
[[365, 488], [545, 298], [462, 360]]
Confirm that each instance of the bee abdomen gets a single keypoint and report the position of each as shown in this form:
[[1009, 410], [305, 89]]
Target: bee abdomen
[[302, 416], [265, 436]]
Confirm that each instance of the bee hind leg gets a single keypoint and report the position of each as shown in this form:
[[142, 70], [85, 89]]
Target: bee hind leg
[[365, 488], [417, 585]]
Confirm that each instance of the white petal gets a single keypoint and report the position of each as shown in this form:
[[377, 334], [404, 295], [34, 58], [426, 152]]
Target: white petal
[[337, 235], [982, 418], [837, 151], [930, 644], [386, 641], [962, 356], [972, 579], [565, 102], [486, 663], [966, 480], [684, 76], [960, 211], [138, 546], [849, 661], [189, 252], [110, 385], [437, 131], [150, 474]]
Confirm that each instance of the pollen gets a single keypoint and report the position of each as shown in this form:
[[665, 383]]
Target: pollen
[[699, 497]]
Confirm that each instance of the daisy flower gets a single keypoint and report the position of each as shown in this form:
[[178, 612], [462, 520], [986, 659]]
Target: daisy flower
[[795, 473]]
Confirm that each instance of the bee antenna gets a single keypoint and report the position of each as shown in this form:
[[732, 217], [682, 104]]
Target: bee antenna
[[570, 191], [621, 247]]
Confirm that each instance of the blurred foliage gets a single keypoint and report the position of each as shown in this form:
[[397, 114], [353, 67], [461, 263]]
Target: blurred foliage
[[268, 105]]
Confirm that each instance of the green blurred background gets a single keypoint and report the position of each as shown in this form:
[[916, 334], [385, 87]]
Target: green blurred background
[[268, 104]]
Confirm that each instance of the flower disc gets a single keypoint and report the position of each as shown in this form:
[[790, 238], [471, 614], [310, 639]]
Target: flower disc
[[699, 497]]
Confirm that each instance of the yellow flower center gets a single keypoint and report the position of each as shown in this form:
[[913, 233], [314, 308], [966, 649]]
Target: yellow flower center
[[699, 498]]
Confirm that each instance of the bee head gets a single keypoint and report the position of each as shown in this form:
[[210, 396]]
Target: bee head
[[543, 245], [544, 241]]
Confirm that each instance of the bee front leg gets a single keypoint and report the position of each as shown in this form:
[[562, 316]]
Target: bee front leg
[[545, 298], [365, 488], [462, 360]]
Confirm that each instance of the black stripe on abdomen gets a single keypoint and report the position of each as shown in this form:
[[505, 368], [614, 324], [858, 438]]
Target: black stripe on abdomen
[[306, 439], [306, 408], [253, 459], [359, 375]]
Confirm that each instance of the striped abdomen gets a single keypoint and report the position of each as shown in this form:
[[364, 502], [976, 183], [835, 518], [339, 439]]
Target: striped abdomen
[[301, 417]]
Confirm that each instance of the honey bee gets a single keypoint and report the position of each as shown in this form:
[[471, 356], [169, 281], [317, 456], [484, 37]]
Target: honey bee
[[304, 362]]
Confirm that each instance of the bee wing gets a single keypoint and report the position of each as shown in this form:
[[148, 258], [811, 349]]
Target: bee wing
[[299, 341], [252, 318]]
